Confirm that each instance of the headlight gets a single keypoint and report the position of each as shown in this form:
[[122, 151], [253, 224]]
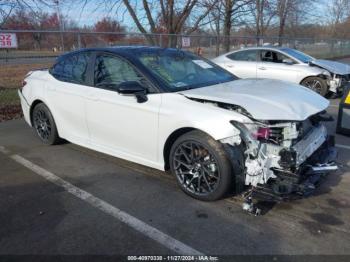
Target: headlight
[[253, 131]]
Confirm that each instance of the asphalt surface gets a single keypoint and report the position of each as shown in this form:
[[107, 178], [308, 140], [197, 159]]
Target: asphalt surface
[[39, 217]]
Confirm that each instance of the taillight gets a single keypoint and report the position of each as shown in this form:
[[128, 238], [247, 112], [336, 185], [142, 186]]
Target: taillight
[[263, 133], [24, 82]]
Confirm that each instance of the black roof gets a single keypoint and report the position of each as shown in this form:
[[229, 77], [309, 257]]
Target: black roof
[[126, 51]]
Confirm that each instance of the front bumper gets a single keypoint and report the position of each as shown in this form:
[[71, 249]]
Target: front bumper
[[338, 84], [293, 185]]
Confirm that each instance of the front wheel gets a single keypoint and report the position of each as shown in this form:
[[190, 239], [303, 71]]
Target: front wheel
[[316, 84], [201, 166]]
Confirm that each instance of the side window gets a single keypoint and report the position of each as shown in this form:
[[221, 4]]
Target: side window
[[247, 55], [72, 68], [111, 70], [272, 56]]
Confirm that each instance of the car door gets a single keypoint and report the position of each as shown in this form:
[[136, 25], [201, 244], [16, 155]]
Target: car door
[[242, 63], [275, 65], [118, 123], [65, 91]]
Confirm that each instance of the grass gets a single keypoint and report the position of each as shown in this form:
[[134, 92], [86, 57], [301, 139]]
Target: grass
[[9, 97], [26, 53], [9, 105], [11, 76]]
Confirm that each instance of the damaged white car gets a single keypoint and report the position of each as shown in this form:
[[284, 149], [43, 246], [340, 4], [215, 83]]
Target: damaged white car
[[170, 109], [321, 76]]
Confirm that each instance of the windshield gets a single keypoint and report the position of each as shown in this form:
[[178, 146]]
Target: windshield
[[298, 55], [181, 70]]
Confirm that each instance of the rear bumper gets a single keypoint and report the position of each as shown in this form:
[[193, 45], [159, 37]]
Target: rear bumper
[[25, 108], [293, 185]]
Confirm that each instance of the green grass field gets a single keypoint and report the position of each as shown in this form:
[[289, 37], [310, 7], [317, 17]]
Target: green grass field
[[9, 97]]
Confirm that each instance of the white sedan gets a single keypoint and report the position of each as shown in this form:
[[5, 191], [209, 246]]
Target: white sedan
[[321, 76], [169, 109]]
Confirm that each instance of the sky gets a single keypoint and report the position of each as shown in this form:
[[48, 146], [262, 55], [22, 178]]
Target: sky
[[88, 14]]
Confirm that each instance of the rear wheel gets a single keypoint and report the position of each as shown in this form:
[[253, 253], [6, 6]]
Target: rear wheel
[[44, 125], [316, 84], [201, 166]]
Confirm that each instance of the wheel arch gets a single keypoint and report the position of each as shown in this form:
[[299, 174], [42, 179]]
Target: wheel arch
[[33, 105], [323, 76], [171, 140]]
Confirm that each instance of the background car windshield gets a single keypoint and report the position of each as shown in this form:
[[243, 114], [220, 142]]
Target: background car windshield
[[298, 55], [181, 70]]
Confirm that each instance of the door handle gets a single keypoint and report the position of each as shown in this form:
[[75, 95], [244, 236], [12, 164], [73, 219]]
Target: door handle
[[230, 66], [262, 68]]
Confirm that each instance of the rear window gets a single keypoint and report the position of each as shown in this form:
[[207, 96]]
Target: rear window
[[247, 55], [72, 68]]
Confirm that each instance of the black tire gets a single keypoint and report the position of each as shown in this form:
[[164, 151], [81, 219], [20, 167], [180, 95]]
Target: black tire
[[207, 165], [44, 125], [317, 84]]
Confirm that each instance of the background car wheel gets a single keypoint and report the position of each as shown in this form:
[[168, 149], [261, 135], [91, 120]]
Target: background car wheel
[[201, 166], [44, 125], [316, 84]]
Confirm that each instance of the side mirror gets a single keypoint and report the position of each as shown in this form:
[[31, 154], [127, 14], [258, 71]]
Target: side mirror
[[133, 88], [287, 61]]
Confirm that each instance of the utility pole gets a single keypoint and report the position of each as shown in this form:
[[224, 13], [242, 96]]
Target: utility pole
[[60, 22]]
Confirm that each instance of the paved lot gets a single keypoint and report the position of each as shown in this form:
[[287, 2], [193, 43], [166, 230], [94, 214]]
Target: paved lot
[[40, 217]]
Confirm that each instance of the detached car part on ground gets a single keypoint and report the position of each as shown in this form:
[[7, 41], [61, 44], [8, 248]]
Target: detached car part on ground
[[322, 76], [170, 109]]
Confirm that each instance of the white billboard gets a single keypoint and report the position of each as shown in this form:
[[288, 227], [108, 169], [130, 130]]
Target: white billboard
[[8, 40], [186, 42]]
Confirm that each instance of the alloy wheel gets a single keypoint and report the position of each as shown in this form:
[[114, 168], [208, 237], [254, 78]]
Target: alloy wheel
[[42, 124], [314, 85], [195, 168]]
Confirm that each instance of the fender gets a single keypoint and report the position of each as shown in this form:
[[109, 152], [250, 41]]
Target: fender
[[182, 113]]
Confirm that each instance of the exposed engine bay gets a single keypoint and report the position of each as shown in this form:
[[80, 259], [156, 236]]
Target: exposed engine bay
[[283, 157]]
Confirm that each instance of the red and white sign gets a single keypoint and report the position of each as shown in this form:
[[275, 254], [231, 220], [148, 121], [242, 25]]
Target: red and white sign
[[186, 42], [8, 40]]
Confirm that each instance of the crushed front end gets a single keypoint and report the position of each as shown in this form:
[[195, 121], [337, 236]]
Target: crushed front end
[[285, 159], [337, 83]]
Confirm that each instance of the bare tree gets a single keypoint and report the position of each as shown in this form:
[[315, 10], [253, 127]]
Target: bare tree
[[233, 9], [284, 8], [6, 9], [294, 12], [215, 24], [173, 13], [339, 10], [225, 14], [262, 13]]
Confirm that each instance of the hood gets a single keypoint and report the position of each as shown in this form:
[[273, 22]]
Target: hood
[[332, 66], [264, 99]]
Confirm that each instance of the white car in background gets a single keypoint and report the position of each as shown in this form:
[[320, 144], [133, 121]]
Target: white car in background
[[321, 76], [171, 110]]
